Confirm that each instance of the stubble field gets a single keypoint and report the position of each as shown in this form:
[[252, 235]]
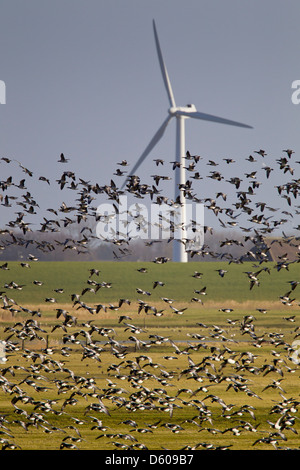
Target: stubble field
[[181, 362]]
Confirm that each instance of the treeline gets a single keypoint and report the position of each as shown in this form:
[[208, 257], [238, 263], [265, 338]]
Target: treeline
[[84, 245]]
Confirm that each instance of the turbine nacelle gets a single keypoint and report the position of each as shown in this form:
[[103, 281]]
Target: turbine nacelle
[[178, 110]]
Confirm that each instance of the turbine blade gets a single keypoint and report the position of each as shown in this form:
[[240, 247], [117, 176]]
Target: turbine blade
[[210, 117], [164, 69], [158, 135]]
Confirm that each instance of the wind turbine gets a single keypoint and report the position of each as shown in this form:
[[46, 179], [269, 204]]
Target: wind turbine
[[181, 113]]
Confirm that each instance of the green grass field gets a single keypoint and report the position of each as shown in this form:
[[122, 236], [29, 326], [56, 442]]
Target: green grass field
[[125, 279], [200, 379]]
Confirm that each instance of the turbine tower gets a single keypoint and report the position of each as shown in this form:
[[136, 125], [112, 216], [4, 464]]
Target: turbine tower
[[181, 113]]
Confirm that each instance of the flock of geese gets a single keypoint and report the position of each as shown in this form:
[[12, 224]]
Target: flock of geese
[[213, 363]]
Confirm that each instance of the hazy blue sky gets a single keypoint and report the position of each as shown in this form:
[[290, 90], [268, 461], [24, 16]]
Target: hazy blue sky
[[82, 77]]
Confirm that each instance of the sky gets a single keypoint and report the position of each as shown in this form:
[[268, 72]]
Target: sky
[[82, 78]]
